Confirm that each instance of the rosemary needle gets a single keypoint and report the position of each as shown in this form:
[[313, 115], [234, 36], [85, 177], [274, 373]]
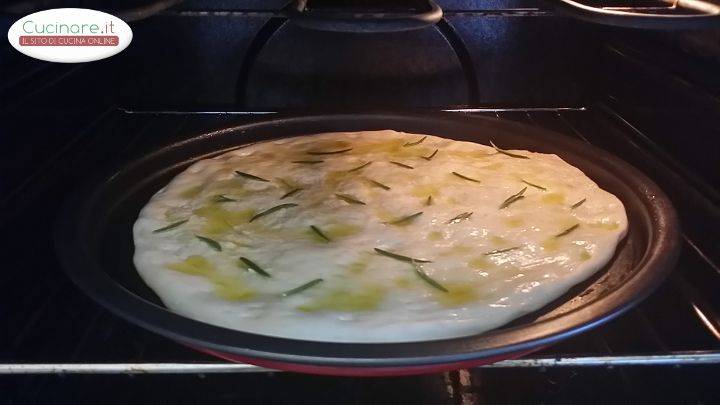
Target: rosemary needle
[[250, 176], [329, 152], [429, 200], [534, 185], [378, 184], [404, 220], [400, 257], [498, 251], [402, 165], [221, 199], [428, 158], [415, 143], [171, 226], [515, 197], [349, 199], [362, 166], [458, 218], [291, 192], [308, 162], [271, 210], [319, 233], [577, 204], [567, 231], [210, 242], [504, 152], [424, 276], [303, 287], [465, 177], [254, 267]]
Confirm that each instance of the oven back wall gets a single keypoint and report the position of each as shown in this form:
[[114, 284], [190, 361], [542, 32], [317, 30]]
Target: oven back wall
[[188, 59]]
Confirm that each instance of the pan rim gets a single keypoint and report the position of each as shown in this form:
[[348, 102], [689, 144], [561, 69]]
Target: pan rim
[[661, 253]]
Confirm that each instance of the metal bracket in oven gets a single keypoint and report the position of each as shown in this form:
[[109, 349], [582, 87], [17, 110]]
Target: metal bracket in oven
[[362, 21], [668, 14]]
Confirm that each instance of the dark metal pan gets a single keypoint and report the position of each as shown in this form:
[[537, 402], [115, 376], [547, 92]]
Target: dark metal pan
[[94, 242]]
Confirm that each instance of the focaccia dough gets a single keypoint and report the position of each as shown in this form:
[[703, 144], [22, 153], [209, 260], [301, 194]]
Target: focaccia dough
[[480, 257]]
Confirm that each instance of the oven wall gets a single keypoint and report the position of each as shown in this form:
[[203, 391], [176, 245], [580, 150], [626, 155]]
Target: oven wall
[[196, 57], [188, 59], [667, 85]]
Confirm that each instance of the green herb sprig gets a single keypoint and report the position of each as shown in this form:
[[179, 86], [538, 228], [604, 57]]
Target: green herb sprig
[[291, 193], [404, 220], [250, 176], [210, 242], [308, 162], [513, 198], [254, 267], [534, 185], [221, 199], [567, 231], [577, 204], [425, 277], [362, 166], [169, 227], [303, 287], [328, 152], [504, 152], [456, 174], [319, 233], [460, 217], [400, 257], [271, 210], [432, 155], [378, 184], [403, 165], [418, 142], [349, 199], [498, 251]]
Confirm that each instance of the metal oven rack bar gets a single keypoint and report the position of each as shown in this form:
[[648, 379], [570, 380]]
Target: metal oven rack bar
[[670, 359], [662, 14]]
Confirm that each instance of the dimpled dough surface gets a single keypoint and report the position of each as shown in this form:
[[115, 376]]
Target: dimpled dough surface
[[481, 257]]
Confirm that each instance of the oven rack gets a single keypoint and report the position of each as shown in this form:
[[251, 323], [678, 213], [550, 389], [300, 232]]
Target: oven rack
[[667, 359], [90, 340]]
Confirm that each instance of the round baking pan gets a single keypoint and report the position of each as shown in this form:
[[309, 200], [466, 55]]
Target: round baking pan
[[94, 242]]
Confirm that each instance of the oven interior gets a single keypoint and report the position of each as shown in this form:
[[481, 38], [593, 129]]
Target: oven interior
[[648, 94]]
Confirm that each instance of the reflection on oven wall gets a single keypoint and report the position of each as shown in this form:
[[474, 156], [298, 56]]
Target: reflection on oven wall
[[299, 68]]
